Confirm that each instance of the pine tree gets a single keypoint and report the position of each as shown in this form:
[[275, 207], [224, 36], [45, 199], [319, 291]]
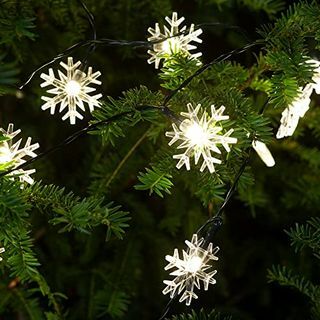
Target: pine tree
[[87, 239]]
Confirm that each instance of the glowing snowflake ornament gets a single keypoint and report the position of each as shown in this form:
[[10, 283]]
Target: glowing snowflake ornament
[[296, 110], [12, 156], [200, 136], [173, 40], [2, 250], [71, 90], [191, 269]]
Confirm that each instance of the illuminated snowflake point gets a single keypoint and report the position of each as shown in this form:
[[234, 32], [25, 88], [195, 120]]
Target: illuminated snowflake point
[[12, 156], [191, 269], [173, 40], [2, 250], [201, 135], [71, 90]]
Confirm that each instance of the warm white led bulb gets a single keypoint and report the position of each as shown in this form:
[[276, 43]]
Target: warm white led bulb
[[2, 250], [73, 88], [12, 156], [201, 136], [5, 153], [190, 270], [197, 135], [71, 91], [193, 265], [173, 40], [263, 152]]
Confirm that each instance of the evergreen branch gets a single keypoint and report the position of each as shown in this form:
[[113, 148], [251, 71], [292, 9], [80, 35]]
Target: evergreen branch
[[22, 260], [306, 235], [75, 213], [286, 277], [155, 181], [202, 315], [31, 306]]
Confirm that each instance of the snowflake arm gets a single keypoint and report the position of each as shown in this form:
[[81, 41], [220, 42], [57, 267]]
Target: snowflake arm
[[71, 90], [192, 269], [11, 155], [200, 136], [2, 250], [292, 114], [173, 40]]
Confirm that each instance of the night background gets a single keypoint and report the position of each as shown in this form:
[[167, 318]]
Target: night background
[[69, 255]]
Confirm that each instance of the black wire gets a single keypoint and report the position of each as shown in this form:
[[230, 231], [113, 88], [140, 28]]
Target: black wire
[[228, 196], [238, 29], [135, 44], [92, 47], [66, 52], [80, 133], [167, 307], [206, 66]]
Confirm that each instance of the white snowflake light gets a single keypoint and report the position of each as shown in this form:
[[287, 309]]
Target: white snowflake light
[[200, 136], [191, 269], [316, 75], [12, 156], [173, 40], [71, 90], [263, 152], [2, 250], [292, 114]]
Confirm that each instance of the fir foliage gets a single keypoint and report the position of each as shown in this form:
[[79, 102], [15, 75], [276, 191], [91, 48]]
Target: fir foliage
[[63, 256]]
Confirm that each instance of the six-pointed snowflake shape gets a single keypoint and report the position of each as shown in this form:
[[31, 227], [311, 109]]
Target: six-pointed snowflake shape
[[2, 250], [191, 269], [296, 110], [172, 40], [12, 156], [200, 136], [71, 90]]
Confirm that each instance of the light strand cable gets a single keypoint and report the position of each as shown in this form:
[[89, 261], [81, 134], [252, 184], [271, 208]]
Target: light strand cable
[[80, 133], [92, 24], [206, 66]]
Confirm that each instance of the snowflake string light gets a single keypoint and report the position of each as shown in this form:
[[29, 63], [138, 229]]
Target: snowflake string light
[[71, 90], [200, 137], [12, 156], [2, 250], [263, 152], [173, 40], [190, 270], [292, 114]]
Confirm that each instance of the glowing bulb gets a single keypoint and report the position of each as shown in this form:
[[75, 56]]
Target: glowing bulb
[[5, 153], [171, 46], [197, 135], [73, 88], [264, 153], [194, 264]]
